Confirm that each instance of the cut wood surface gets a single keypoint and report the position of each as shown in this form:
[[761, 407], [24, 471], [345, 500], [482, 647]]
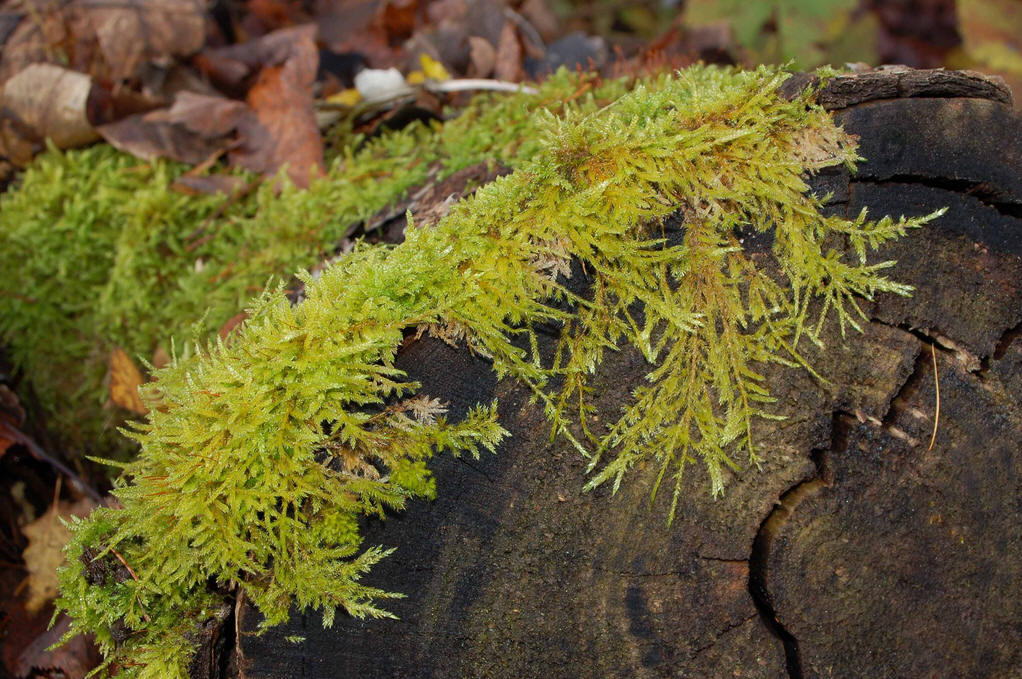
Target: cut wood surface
[[855, 550]]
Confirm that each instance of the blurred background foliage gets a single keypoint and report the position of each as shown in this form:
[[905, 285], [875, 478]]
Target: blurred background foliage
[[983, 35]]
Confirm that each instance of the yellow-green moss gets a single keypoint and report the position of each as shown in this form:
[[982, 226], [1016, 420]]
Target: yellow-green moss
[[239, 482], [98, 250]]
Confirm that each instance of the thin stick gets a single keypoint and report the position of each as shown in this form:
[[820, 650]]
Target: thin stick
[[132, 572], [936, 383], [121, 559], [38, 453]]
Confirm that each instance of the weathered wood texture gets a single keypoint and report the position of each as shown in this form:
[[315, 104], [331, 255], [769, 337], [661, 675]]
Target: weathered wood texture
[[855, 551]]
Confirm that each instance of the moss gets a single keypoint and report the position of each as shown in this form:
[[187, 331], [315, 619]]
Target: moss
[[98, 250], [259, 456]]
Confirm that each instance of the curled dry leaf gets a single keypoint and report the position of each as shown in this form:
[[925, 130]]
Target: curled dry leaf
[[47, 536], [508, 60], [53, 102], [125, 380]]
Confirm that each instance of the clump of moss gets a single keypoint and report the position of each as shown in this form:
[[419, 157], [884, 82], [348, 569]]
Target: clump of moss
[[98, 250], [259, 456]]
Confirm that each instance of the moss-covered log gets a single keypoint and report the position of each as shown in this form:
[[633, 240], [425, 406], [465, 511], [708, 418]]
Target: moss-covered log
[[856, 550]]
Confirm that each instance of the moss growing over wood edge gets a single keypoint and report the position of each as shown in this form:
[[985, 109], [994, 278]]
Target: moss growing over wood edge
[[240, 485]]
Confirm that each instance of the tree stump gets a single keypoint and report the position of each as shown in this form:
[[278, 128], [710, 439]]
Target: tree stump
[[856, 550]]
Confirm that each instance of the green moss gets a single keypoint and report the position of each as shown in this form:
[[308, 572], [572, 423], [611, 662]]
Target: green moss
[[98, 250], [240, 485]]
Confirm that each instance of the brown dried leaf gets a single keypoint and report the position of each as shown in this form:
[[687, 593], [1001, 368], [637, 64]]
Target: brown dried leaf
[[196, 127], [53, 102], [46, 539], [129, 33], [482, 57], [161, 358], [72, 660], [397, 18], [284, 130], [232, 324], [350, 26], [232, 66], [38, 37], [125, 380], [12, 414], [545, 21], [508, 64], [111, 40]]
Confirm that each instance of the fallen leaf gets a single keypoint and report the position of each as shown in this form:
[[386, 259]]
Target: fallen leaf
[[482, 57], [232, 67], [508, 60], [161, 358], [12, 413], [348, 97], [539, 14], [53, 102], [195, 127], [72, 660], [351, 26], [397, 18], [36, 39], [125, 380], [129, 33], [18, 142], [274, 14], [20, 628], [281, 129], [232, 324], [105, 39], [47, 536], [284, 131], [433, 69]]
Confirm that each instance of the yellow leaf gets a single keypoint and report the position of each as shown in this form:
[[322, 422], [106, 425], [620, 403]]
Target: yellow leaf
[[44, 554], [433, 69], [348, 97], [415, 78], [124, 382]]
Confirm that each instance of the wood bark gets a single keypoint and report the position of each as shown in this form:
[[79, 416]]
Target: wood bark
[[855, 550]]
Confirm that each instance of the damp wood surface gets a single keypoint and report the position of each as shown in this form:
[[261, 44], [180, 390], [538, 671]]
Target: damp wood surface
[[855, 550]]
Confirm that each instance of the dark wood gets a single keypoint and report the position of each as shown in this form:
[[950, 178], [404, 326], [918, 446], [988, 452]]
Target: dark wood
[[854, 551], [900, 82]]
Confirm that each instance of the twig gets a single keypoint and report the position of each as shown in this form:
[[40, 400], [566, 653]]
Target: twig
[[464, 84], [936, 384], [38, 453], [121, 559], [131, 571], [441, 86]]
